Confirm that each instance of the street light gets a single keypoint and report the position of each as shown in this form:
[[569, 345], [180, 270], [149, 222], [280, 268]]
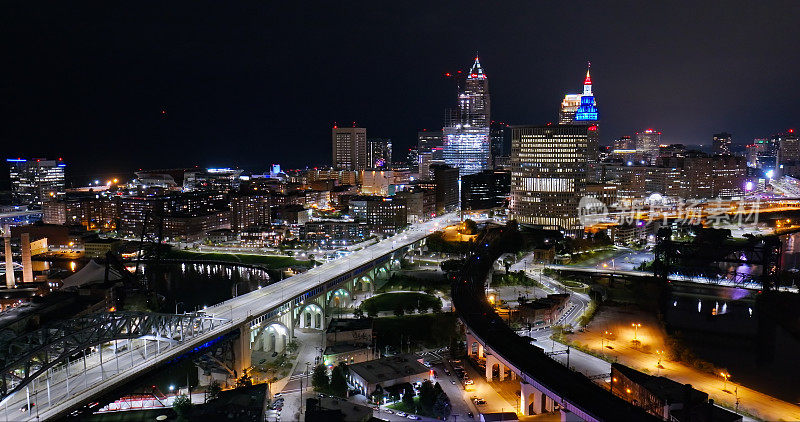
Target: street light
[[725, 377], [636, 331], [603, 336]]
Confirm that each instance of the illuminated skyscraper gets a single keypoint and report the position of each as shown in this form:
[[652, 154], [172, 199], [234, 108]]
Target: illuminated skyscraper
[[647, 143], [568, 108], [548, 175], [466, 136], [37, 180], [587, 111], [349, 148]]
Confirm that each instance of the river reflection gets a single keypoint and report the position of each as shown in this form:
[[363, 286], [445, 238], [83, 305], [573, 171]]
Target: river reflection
[[193, 286]]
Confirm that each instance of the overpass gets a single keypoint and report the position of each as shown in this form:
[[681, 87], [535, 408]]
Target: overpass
[[59, 374], [544, 383], [737, 281]]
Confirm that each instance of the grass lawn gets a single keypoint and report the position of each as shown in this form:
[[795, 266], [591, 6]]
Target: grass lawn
[[412, 409], [406, 300], [269, 261]]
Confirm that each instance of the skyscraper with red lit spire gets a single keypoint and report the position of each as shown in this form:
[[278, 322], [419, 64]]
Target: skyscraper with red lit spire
[[467, 144]]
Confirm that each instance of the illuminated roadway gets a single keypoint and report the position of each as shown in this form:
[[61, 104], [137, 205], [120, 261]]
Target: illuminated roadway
[[236, 311]]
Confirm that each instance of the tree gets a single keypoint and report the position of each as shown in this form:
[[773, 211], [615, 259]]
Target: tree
[[319, 379], [469, 227], [213, 390], [408, 395], [427, 396], [422, 307], [338, 386], [377, 395], [442, 407], [398, 310], [292, 346], [358, 312], [182, 406], [457, 349]]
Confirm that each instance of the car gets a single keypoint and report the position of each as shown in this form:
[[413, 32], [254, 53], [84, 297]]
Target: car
[[401, 414], [25, 407], [471, 416], [389, 411], [276, 395], [453, 382], [469, 382], [414, 417]]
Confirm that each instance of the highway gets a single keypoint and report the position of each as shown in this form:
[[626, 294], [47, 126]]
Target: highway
[[236, 311]]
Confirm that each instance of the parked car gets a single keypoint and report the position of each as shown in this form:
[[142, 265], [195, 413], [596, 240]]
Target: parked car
[[401, 414], [414, 417]]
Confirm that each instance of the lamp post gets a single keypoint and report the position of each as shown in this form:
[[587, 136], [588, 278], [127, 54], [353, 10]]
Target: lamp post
[[725, 377], [603, 336], [636, 331]]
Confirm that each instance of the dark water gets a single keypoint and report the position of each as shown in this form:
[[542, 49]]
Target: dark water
[[193, 286]]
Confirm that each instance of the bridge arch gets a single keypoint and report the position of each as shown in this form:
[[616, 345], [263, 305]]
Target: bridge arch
[[363, 284], [273, 338], [339, 298], [311, 316]]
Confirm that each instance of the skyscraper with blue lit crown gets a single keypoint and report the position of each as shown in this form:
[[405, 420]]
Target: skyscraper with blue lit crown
[[587, 111]]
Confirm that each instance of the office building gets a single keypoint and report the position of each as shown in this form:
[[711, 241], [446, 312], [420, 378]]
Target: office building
[[548, 175], [349, 148], [467, 145], [485, 190], [377, 182], [623, 143], [647, 143], [388, 371], [500, 135], [569, 105], [721, 143], [331, 233], [445, 179], [36, 180], [429, 140], [788, 147], [347, 340], [383, 214], [379, 152], [420, 203]]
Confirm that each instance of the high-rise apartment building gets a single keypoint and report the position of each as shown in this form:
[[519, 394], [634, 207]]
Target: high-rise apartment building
[[349, 148], [36, 180], [548, 175], [721, 143], [379, 152], [466, 135]]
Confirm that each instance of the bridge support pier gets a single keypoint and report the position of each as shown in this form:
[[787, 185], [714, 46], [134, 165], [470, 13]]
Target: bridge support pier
[[491, 362], [530, 399], [241, 351], [567, 416]]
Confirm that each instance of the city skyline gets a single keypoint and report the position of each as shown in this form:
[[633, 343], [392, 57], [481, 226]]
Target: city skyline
[[174, 87]]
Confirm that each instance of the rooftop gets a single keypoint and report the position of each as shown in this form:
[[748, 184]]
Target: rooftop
[[388, 368], [349, 324]]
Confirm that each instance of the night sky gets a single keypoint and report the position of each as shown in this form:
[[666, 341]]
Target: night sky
[[125, 85]]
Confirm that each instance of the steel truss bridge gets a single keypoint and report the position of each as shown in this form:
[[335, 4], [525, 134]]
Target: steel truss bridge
[[55, 354]]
